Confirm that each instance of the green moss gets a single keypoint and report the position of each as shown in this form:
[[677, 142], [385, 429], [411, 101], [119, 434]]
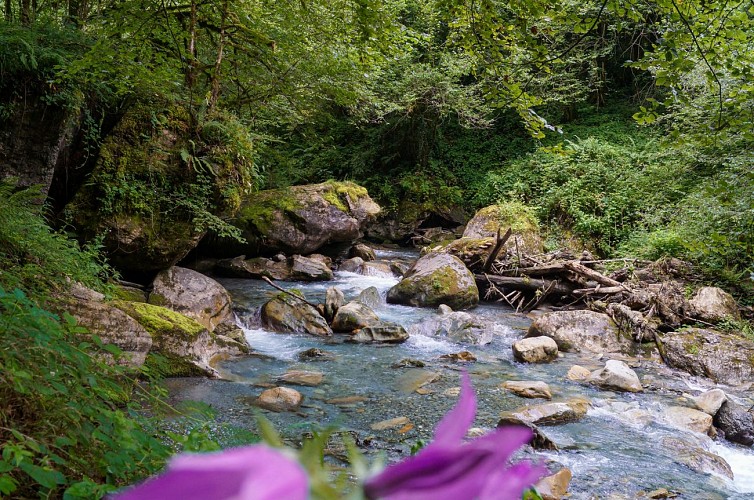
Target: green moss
[[128, 294], [260, 210], [161, 322], [338, 193], [517, 216]]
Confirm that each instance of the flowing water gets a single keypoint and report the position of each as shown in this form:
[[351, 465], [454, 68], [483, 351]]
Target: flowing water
[[616, 451]]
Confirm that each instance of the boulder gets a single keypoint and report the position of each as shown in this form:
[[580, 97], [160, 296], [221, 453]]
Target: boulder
[[353, 316], [109, 323], [230, 330], [302, 219], [324, 259], [436, 279], [710, 402], [539, 442], [528, 389], [713, 305], [554, 413], [459, 357], [535, 350], [307, 269], [363, 251], [187, 346], [382, 332], [458, 326], [489, 220], [302, 377], [378, 268], [616, 375], [473, 252], [315, 354], [632, 323], [370, 297], [736, 423], [279, 399], [555, 486], [688, 418], [256, 268], [696, 458], [288, 314], [352, 265], [192, 294], [724, 358], [334, 300], [581, 331], [578, 373]]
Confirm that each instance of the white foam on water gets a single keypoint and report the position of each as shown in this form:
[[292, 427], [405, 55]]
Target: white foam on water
[[423, 344], [280, 346], [741, 461]]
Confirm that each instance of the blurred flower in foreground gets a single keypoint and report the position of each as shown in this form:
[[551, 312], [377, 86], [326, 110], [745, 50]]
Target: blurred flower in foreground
[[450, 468], [249, 473]]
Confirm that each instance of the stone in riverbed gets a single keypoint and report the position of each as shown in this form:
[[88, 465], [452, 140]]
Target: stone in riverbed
[[370, 297], [736, 423], [581, 331], [334, 300], [279, 399], [539, 442], [307, 269], [354, 316], [382, 332], [414, 379], [365, 252], [288, 314], [392, 423], [578, 373], [560, 412], [555, 486], [688, 418], [352, 265], [710, 402], [696, 458], [315, 354], [528, 389], [616, 375], [535, 350], [302, 377], [436, 279], [459, 357]]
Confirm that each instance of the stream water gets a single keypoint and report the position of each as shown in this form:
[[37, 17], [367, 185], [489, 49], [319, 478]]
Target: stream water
[[619, 450]]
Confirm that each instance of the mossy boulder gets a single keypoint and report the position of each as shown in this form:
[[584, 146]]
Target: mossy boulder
[[193, 294], [487, 221], [287, 314], [436, 279], [724, 358], [473, 252], [302, 219], [353, 316], [713, 305], [188, 346], [582, 331]]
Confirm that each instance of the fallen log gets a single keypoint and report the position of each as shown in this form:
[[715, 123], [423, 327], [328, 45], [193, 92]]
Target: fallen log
[[591, 274], [526, 284], [605, 290], [498, 245]]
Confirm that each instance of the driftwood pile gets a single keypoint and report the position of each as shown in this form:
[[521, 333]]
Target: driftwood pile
[[642, 296]]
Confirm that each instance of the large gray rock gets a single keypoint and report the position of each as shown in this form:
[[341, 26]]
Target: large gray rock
[[688, 418], [710, 402], [256, 268], [736, 423], [352, 265], [192, 294], [334, 300], [383, 332], [550, 413], [711, 304], [696, 458], [436, 279], [528, 389], [109, 323], [489, 220], [370, 297], [724, 358], [288, 314], [581, 331], [279, 399], [364, 251], [458, 326], [302, 219], [535, 350], [353, 316], [616, 375], [307, 269]]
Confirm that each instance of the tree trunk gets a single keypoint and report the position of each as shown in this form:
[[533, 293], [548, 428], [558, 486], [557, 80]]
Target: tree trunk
[[25, 14], [8, 11], [218, 61]]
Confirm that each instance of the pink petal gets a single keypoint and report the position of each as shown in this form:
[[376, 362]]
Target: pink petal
[[453, 427]]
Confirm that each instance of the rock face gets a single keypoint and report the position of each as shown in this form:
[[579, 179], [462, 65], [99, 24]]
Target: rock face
[[109, 323], [302, 219], [458, 326], [193, 295], [550, 413], [353, 316], [436, 279], [580, 331], [736, 423], [188, 346], [528, 389], [724, 358], [382, 332], [711, 304], [535, 350], [280, 399], [287, 314], [616, 375], [688, 418]]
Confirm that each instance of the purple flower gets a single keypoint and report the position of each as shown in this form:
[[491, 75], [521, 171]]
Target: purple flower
[[249, 473], [450, 468]]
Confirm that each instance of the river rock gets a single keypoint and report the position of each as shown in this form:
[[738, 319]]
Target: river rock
[[436, 279], [458, 326], [302, 377], [489, 220], [412, 380], [710, 402], [377, 268], [334, 300], [306, 269], [528, 389], [230, 330], [302, 219], [578, 373], [365, 252], [555, 486], [696, 458], [322, 259], [370, 297], [315, 354], [192, 294], [554, 413], [109, 323], [393, 423], [535, 350], [724, 358], [713, 305], [459, 357], [256, 268], [616, 375], [353, 316], [352, 265], [539, 441], [279, 399], [287, 314], [383, 332], [688, 418], [581, 331], [736, 423]]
